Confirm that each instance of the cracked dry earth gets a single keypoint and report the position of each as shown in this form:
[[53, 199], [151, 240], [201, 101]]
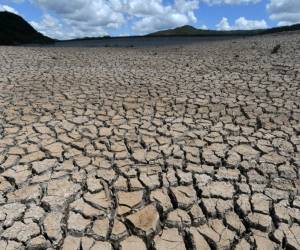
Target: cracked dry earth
[[187, 147]]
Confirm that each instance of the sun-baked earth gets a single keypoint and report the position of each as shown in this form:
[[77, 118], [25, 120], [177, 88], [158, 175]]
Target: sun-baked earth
[[183, 147]]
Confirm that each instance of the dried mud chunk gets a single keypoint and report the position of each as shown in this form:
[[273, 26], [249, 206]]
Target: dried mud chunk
[[27, 193], [214, 207], [52, 225], [98, 200], [161, 197], [243, 245], [5, 186], [150, 181], [85, 209], [246, 151], [11, 212], [234, 222], [185, 196], [62, 188], [59, 193], [71, 243], [260, 221], [130, 199], [217, 234], [119, 231], [262, 242], [197, 215], [19, 174], [260, 203], [35, 156], [42, 166], [100, 228], [218, 189], [77, 223], [145, 221], [38, 242], [178, 218], [199, 242], [11, 245], [101, 245], [21, 231], [133, 242], [170, 239]]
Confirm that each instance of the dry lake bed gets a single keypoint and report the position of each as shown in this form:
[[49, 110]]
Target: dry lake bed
[[176, 147]]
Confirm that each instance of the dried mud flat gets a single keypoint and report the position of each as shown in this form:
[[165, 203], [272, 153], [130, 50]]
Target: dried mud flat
[[188, 147]]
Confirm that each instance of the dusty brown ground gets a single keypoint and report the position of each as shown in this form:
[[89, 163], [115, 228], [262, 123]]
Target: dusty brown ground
[[188, 147]]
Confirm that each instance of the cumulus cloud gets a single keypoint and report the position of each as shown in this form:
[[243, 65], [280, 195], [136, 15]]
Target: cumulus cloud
[[169, 16], [58, 29], [223, 24], [286, 12], [100, 15], [212, 2], [8, 8], [241, 24], [87, 12]]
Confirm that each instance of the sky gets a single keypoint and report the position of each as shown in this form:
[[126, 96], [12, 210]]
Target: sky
[[65, 19]]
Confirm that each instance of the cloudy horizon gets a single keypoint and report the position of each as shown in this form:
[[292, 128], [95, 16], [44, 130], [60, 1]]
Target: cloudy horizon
[[80, 18]]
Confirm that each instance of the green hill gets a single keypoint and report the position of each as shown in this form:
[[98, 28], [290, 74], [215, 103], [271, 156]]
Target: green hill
[[191, 31], [15, 30]]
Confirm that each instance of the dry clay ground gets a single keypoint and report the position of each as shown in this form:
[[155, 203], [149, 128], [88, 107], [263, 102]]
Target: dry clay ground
[[187, 147]]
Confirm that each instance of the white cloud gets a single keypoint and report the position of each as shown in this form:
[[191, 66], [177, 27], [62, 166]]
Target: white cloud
[[165, 17], [286, 12], [8, 8], [55, 28], [223, 24], [86, 13], [85, 16], [241, 24], [212, 2]]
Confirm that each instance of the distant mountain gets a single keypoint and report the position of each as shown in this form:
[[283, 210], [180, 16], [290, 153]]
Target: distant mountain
[[188, 30], [184, 30], [14, 30]]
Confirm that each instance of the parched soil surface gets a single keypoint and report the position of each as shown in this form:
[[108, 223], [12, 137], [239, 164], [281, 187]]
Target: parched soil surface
[[187, 147]]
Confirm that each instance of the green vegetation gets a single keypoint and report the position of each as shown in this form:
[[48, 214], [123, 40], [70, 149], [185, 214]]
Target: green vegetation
[[14, 30], [191, 31]]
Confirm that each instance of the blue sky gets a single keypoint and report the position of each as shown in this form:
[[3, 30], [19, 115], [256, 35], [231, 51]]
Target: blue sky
[[77, 18]]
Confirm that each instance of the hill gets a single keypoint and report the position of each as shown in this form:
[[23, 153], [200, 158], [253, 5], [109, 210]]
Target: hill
[[14, 30], [191, 31]]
